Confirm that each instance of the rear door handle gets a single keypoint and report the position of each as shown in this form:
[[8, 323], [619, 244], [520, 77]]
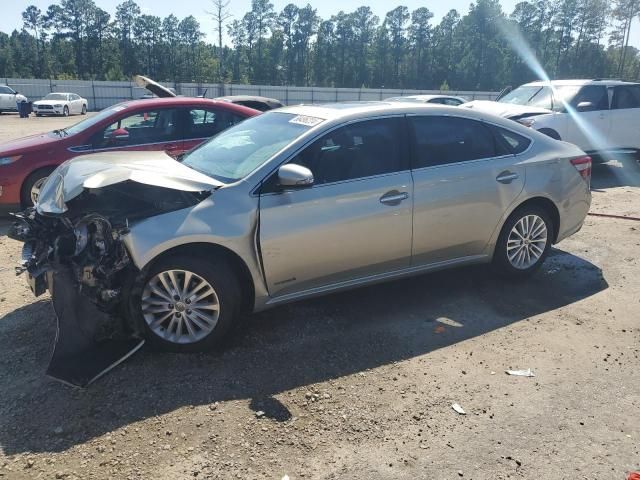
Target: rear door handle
[[507, 177], [393, 197]]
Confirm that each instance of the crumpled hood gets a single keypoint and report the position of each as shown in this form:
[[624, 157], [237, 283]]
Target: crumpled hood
[[505, 110], [103, 169]]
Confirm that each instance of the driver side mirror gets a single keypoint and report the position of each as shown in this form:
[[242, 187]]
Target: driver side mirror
[[292, 175], [585, 106], [119, 135]]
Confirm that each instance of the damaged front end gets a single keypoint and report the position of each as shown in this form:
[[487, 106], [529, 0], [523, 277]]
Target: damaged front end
[[73, 247]]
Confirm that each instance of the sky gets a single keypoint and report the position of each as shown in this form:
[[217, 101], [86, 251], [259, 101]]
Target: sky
[[11, 9]]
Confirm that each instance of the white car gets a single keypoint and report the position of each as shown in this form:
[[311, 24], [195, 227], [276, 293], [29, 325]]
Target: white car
[[599, 116], [8, 99], [441, 99], [61, 104]]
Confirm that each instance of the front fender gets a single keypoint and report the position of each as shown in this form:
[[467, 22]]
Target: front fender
[[224, 219]]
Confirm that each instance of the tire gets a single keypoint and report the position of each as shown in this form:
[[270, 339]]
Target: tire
[[510, 258], [84, 110], [174, 326], [36, 179], [65, 111], [549, 132]]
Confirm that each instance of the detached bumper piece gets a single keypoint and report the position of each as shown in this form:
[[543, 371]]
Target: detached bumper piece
[[86, 347]]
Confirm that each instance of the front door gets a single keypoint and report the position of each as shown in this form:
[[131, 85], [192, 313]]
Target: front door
[[465, 178], [354, 222]]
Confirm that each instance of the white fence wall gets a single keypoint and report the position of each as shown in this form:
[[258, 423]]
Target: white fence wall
[[102, 94]]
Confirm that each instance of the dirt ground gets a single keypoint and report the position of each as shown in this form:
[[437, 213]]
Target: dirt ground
[[359, 385]]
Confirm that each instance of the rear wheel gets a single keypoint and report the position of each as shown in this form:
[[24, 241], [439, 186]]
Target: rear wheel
[[32, 185], [84, 109], [524, 242], [188, 305]]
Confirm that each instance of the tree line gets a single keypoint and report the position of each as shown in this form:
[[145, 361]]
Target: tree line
[[76, 39]]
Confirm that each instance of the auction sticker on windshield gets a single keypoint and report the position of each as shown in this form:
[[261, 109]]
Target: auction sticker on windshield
[[306, 120]]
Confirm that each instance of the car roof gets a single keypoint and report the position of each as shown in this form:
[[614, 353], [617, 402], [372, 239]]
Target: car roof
[[358, 110], [184, 101], [580, 82]]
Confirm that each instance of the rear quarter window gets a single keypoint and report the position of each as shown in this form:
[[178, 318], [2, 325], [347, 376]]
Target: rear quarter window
[[515, 142]]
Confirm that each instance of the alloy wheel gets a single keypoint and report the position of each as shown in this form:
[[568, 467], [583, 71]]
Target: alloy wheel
[[180, 306], [527, 242]]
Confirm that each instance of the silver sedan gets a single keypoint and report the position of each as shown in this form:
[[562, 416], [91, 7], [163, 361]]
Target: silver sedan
[[299, 202]]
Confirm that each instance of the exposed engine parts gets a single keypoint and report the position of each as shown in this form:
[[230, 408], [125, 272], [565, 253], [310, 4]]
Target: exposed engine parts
[[90, 248]]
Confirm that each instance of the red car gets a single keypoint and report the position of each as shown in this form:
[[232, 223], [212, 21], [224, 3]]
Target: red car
[[174, 125]]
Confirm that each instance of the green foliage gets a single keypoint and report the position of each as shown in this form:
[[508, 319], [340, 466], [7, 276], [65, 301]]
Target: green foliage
[[404, 49]]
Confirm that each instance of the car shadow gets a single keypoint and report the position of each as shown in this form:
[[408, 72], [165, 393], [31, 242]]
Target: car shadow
[[288, 347], [622, 171]]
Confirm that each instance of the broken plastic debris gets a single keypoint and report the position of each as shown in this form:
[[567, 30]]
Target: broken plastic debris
[[439, 329], [521, 373], [458, 409], [634, 476], [286, 477]]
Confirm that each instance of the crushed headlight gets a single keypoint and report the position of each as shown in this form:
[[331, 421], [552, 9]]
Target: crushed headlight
[[8, 160]]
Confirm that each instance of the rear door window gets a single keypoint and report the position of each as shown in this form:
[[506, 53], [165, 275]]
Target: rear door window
[[441, 140], [626, 97], [206, 122]]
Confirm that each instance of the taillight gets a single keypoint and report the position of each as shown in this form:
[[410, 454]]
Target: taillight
[[583, 165]]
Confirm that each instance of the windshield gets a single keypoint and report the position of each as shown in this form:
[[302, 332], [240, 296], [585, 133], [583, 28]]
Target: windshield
[[97, 118], [56, 96], [236, 152], [542, 96]]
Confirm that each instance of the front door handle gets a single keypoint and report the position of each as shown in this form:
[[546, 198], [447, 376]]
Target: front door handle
[[507, 177], [394, 197]]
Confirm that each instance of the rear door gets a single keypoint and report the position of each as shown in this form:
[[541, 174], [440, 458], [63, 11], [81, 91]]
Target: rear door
[[590, 128], [354, 222], [465, 178], [625, 117], [153, 129], [76, 102], [202, 123]]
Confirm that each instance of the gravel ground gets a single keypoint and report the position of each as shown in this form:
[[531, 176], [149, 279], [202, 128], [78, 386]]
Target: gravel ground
[[359, 385]]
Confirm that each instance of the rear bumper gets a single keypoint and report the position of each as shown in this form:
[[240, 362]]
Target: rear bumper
[[572, 216]]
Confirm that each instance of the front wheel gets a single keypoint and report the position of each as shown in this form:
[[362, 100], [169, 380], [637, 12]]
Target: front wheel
[[65, 111], [189, 305], [32, 185], [524, 242]]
